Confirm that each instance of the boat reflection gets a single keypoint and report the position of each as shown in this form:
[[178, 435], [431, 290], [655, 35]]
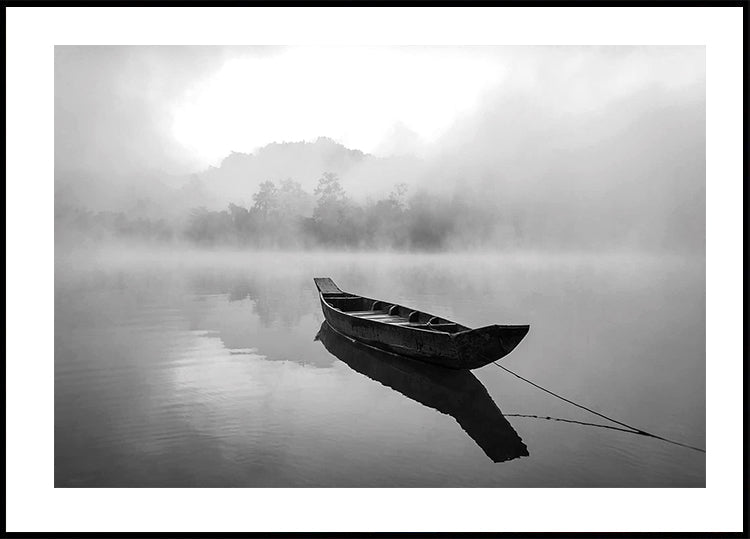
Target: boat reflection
[[456, 393]]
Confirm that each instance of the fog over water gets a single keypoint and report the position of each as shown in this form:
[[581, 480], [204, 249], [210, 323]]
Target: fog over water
[[204, 370]]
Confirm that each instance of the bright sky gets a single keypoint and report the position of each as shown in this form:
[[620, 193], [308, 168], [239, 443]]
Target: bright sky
[[378, 100], [181, 109]]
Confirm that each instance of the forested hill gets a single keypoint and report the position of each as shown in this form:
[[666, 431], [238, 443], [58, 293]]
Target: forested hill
[[156, 195], [240, 174]]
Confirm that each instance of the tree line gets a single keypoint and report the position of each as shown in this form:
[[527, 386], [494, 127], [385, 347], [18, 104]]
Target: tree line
[[285, 215]]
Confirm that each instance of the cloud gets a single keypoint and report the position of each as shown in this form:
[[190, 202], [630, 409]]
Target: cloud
[[112, 105], [595, 145]]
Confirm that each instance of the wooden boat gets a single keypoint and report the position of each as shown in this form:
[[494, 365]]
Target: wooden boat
[[458, 394], [415, 334]]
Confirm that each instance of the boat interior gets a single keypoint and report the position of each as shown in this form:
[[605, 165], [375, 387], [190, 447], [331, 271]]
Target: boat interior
[[389, 313]]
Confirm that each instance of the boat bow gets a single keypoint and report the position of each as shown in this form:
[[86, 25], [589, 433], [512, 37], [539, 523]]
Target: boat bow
[[478, 347]]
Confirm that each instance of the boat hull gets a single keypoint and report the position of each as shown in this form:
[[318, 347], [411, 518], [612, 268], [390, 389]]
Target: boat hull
[[460, 348]]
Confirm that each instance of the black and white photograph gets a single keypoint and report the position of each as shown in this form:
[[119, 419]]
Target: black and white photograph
[[298, 264], [312, 266]]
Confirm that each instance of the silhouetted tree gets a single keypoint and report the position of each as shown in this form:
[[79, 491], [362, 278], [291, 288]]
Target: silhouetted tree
[[336, 220], [266, 202]]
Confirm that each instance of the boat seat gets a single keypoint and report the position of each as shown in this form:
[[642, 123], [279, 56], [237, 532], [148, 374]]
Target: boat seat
[[381, 316], [377, 316], [444, 328], [343, 300]]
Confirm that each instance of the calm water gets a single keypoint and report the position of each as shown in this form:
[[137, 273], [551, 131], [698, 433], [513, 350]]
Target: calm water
[[211, 370]]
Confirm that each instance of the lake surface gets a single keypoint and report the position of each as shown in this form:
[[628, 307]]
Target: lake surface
[[210, 370]]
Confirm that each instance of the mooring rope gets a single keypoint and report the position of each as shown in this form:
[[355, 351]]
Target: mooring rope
[[564, 420], [631, 428]]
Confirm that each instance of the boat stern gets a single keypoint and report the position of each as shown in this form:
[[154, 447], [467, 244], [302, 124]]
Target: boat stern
[[325, 285]]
